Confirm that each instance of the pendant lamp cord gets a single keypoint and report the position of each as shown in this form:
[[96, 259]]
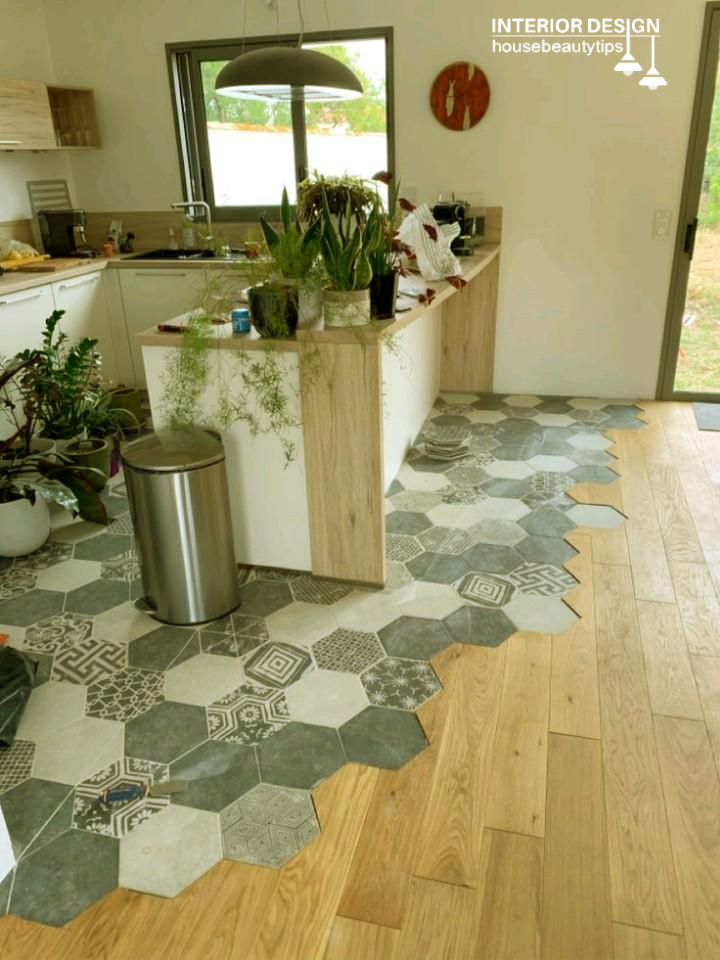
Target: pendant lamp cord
[[302, 23]]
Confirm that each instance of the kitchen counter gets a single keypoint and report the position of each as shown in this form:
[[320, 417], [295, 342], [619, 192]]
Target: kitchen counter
[[14, 281]]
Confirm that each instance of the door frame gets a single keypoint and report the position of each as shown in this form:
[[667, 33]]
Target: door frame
[[689, 203]]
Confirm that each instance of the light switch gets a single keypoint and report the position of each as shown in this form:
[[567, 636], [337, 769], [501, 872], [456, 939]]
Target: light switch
[[662, 223]]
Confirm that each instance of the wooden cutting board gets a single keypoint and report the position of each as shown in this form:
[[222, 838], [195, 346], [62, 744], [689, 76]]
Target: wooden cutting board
[[58, 263], [25, 261]]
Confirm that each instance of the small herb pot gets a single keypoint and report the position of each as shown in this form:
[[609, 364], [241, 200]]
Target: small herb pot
[[346, 308], [383, 294], [94, 452]]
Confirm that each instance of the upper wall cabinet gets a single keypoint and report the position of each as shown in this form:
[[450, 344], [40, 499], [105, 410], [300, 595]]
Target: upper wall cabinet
[[36, 117]]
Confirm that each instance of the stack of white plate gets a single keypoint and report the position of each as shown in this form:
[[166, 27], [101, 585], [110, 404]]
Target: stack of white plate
[[447, 443]]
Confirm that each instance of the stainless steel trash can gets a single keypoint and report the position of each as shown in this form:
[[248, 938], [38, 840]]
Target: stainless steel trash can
[[180, 507]]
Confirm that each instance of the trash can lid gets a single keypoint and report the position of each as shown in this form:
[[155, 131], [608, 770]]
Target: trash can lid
[[170, 450]]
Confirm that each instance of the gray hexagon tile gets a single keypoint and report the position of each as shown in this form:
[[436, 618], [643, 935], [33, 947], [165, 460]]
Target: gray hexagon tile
[[217, 773], [268, 826], [300, 755], [400, 683], [166, 731], [381, 737], [15, 582]]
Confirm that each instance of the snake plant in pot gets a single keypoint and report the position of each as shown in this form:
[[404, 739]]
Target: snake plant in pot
[[346, 302], [29, 479]]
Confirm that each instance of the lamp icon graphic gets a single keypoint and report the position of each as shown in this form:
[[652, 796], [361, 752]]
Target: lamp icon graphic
[[652, 78], [628, 64]]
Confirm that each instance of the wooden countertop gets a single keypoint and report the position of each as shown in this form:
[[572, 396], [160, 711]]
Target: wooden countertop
[[15, 281], [226, 340]]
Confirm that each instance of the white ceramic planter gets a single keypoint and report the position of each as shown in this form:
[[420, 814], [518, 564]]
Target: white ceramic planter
[[346, 308], [310, 308], [24, 526]]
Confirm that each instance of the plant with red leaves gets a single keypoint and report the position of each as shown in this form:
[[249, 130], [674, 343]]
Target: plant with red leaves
[[430, 231], [456, 281], [427, 298]]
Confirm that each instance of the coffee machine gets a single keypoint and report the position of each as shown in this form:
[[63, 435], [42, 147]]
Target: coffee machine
[[63, 233], [457, 211]]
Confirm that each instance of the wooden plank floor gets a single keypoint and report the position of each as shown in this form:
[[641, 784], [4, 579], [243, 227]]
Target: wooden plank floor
[[568, 807]]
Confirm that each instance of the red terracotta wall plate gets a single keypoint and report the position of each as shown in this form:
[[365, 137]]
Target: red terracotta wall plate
[[459, 96]]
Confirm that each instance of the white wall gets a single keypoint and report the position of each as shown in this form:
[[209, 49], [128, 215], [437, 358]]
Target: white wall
[[25, 55], [7, 857], [578, 156]]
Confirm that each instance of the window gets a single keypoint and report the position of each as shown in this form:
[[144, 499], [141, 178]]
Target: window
[[239, 154]]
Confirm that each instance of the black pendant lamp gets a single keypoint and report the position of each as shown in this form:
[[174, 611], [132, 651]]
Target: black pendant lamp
[[288, 73]]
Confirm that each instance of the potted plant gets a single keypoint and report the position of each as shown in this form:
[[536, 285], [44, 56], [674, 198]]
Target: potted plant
[[382, 244], [295, 253], [27, 479], [346, 302]]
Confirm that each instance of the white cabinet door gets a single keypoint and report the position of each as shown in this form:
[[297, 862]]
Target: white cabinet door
[[155, 296], [86, 315], [22, 318]]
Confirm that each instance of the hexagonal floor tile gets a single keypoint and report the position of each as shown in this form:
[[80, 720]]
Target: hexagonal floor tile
[[550, 464], [88, 660], [202, 679], [542, 579], [125, 567], [50, 708], [546, 550], [429, 600], [485, 589], [163, 648], [68, 575], [351, 651], [414, 637], [31, 607], [400, 683], [47, 556], [78, 867], [300, 755], [401, 547], [97, 596], [268, 825], [467, 473], [437, 567], [301, 623], [407, 521], [418, 500], [479, 626], [502, 533], [547, 521], [262, 597], [123, 623], [277, 664], [103, 547], [77, 749], [501, 508], [539, 614], [381, 737], [166, 731], [591, 475], [447, 540], [588, 515], [250, 713], [28, 806], [171, 850], [546, 485], [216, 774], [14, 582], [492, 558], [522, 400], [485, 416], [415, 480], [58, 632], [126, 694], [16, 763], [117, 819], [553, 419], [326, 698], [311, 589], [509, 469]]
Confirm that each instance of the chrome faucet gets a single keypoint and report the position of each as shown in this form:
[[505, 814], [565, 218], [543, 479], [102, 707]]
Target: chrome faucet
[[189, 205]]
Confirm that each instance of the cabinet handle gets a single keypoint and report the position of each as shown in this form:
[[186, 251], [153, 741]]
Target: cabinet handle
[[169, 276], [27, 296], [9, 141], [69, 284]]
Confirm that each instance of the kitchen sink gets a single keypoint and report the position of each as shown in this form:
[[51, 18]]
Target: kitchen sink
[[234, 254]]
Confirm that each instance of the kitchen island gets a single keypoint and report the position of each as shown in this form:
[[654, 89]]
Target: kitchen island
[[357, 412]]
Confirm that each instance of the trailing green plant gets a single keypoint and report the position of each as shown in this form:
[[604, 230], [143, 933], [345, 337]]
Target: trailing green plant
[[185, 375], [24, 474], [343, 195]]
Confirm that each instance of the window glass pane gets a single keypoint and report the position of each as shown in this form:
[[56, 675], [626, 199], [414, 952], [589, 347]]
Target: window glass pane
[[250, 144], [350, 136]]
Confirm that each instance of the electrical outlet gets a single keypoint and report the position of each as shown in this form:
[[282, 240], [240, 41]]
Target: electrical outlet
[[662, 223]]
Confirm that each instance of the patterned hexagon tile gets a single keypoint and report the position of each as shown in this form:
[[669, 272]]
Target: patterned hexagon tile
[[125, 694], [351, 651], [250, 713], [58, 632], [16, 764], [404, 684], [117, 819], [268, 826], [88, 660], [277, 664], [15, 582]]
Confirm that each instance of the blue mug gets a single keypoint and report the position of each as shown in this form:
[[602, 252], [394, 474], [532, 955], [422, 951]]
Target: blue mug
[[240, 320]]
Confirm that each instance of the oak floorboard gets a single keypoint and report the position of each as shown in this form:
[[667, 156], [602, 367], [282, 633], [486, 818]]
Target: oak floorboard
[[699, 607], [451, 836], [516, 798], [676, 523], [378, 883], [692, 793], [300, 913], [634, 943], [355, 940], [441, 923], [671, 683], [576, 854], [510, 909], [574, 702], [707, 676], [642, 879]]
